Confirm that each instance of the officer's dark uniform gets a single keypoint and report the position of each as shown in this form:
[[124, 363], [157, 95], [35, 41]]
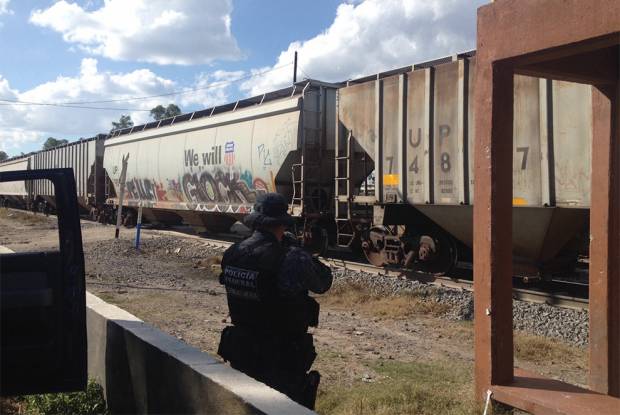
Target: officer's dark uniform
[[267, 287]]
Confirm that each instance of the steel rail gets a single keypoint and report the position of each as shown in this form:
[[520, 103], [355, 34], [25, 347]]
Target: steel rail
[[443, 281], [522, 294]]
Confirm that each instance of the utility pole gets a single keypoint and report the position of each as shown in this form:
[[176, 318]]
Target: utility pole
[[295, 68]]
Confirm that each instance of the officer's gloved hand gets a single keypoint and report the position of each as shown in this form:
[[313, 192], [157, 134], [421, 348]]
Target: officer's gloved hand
[[289, 240]]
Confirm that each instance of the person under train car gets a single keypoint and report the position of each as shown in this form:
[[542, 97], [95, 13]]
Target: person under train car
[[267, 279]]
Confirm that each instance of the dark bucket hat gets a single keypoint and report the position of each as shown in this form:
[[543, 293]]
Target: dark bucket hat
[[269, 210]]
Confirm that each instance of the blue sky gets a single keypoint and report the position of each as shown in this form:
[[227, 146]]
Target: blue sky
[[92, 50]]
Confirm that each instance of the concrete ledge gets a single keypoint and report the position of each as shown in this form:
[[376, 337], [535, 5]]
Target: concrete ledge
[[144, 370]]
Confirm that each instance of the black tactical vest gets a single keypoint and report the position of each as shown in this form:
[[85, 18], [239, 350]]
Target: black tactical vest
[[250, 275]]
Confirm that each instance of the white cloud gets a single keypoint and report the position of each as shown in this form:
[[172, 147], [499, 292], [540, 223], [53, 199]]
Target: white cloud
[[212, 89], [377, 35], [21, 124], [4, 7], [183, 32]]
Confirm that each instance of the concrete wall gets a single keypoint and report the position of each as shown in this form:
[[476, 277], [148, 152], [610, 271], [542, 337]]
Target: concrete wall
[[144, 370]]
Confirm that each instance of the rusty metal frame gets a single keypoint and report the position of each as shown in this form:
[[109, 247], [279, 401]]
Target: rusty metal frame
[[571, 40]]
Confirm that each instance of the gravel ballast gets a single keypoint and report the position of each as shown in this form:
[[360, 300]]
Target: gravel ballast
[[568, 325], [564, 324]]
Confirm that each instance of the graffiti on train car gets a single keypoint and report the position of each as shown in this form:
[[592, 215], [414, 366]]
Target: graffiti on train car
[[209, 178], [228, 186], [142, 189], [225, 186]]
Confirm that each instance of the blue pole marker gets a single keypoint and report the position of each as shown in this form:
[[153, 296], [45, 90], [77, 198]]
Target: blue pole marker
[[138, 227]]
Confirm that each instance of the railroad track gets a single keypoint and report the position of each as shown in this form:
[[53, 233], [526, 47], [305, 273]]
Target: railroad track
[[524, 294], [533, 295]]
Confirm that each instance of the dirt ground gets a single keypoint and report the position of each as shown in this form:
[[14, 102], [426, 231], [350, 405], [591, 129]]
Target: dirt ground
[[172, 283]]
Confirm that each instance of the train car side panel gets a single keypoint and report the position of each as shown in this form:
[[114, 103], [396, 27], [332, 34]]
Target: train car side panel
[[273, 141], [356, 114], [232, 171], [471, 126], [80, 156], [391, 135], [417, 135], [15, 189], [143, 174], [207, 168], [446, 166], [572, 142], [526, 171]]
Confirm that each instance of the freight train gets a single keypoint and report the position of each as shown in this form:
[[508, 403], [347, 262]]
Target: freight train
[[383, 164]]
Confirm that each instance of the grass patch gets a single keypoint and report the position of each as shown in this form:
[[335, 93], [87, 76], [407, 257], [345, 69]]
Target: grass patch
[[89, 402], [23, 217], [212, 266], [544, 350], [358, 297], [405, 388], [108, 297]]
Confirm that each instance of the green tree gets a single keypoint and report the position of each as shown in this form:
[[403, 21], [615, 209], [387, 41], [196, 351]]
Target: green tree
[[123, 122], [3, 156], [160, 112], [52, 142]]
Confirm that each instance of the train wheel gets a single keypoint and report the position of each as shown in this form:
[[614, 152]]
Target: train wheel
[[373, 245], [437, 253]]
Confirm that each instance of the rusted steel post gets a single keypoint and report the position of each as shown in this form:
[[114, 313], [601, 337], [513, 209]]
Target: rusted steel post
[[605, 244], [493, 225]]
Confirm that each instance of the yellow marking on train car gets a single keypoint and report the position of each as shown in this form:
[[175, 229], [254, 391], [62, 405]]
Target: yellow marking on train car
[[519, 201], [391, 179]]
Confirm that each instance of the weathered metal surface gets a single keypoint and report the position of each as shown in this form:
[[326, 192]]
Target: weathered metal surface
[[356, 112], [551, 127], [217, 164], [526, 143], [417, 136], [552, 130], [471, 126], [579, 30], [537, 395], [81, 156], [446, 184], [391, 136], [329, 122], [572, 142], [547, 230], [493, 270], [605, 245], [19, 188]]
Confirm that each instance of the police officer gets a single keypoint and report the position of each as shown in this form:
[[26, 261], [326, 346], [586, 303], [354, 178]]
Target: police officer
[[267, 280]]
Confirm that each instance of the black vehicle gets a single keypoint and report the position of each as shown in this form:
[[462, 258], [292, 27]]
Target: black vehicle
[[43, 303]]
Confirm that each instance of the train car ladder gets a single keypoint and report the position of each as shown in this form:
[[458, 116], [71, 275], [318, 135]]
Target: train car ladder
[[308, 171], [304, 175], [344, 227], [297, 173]]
